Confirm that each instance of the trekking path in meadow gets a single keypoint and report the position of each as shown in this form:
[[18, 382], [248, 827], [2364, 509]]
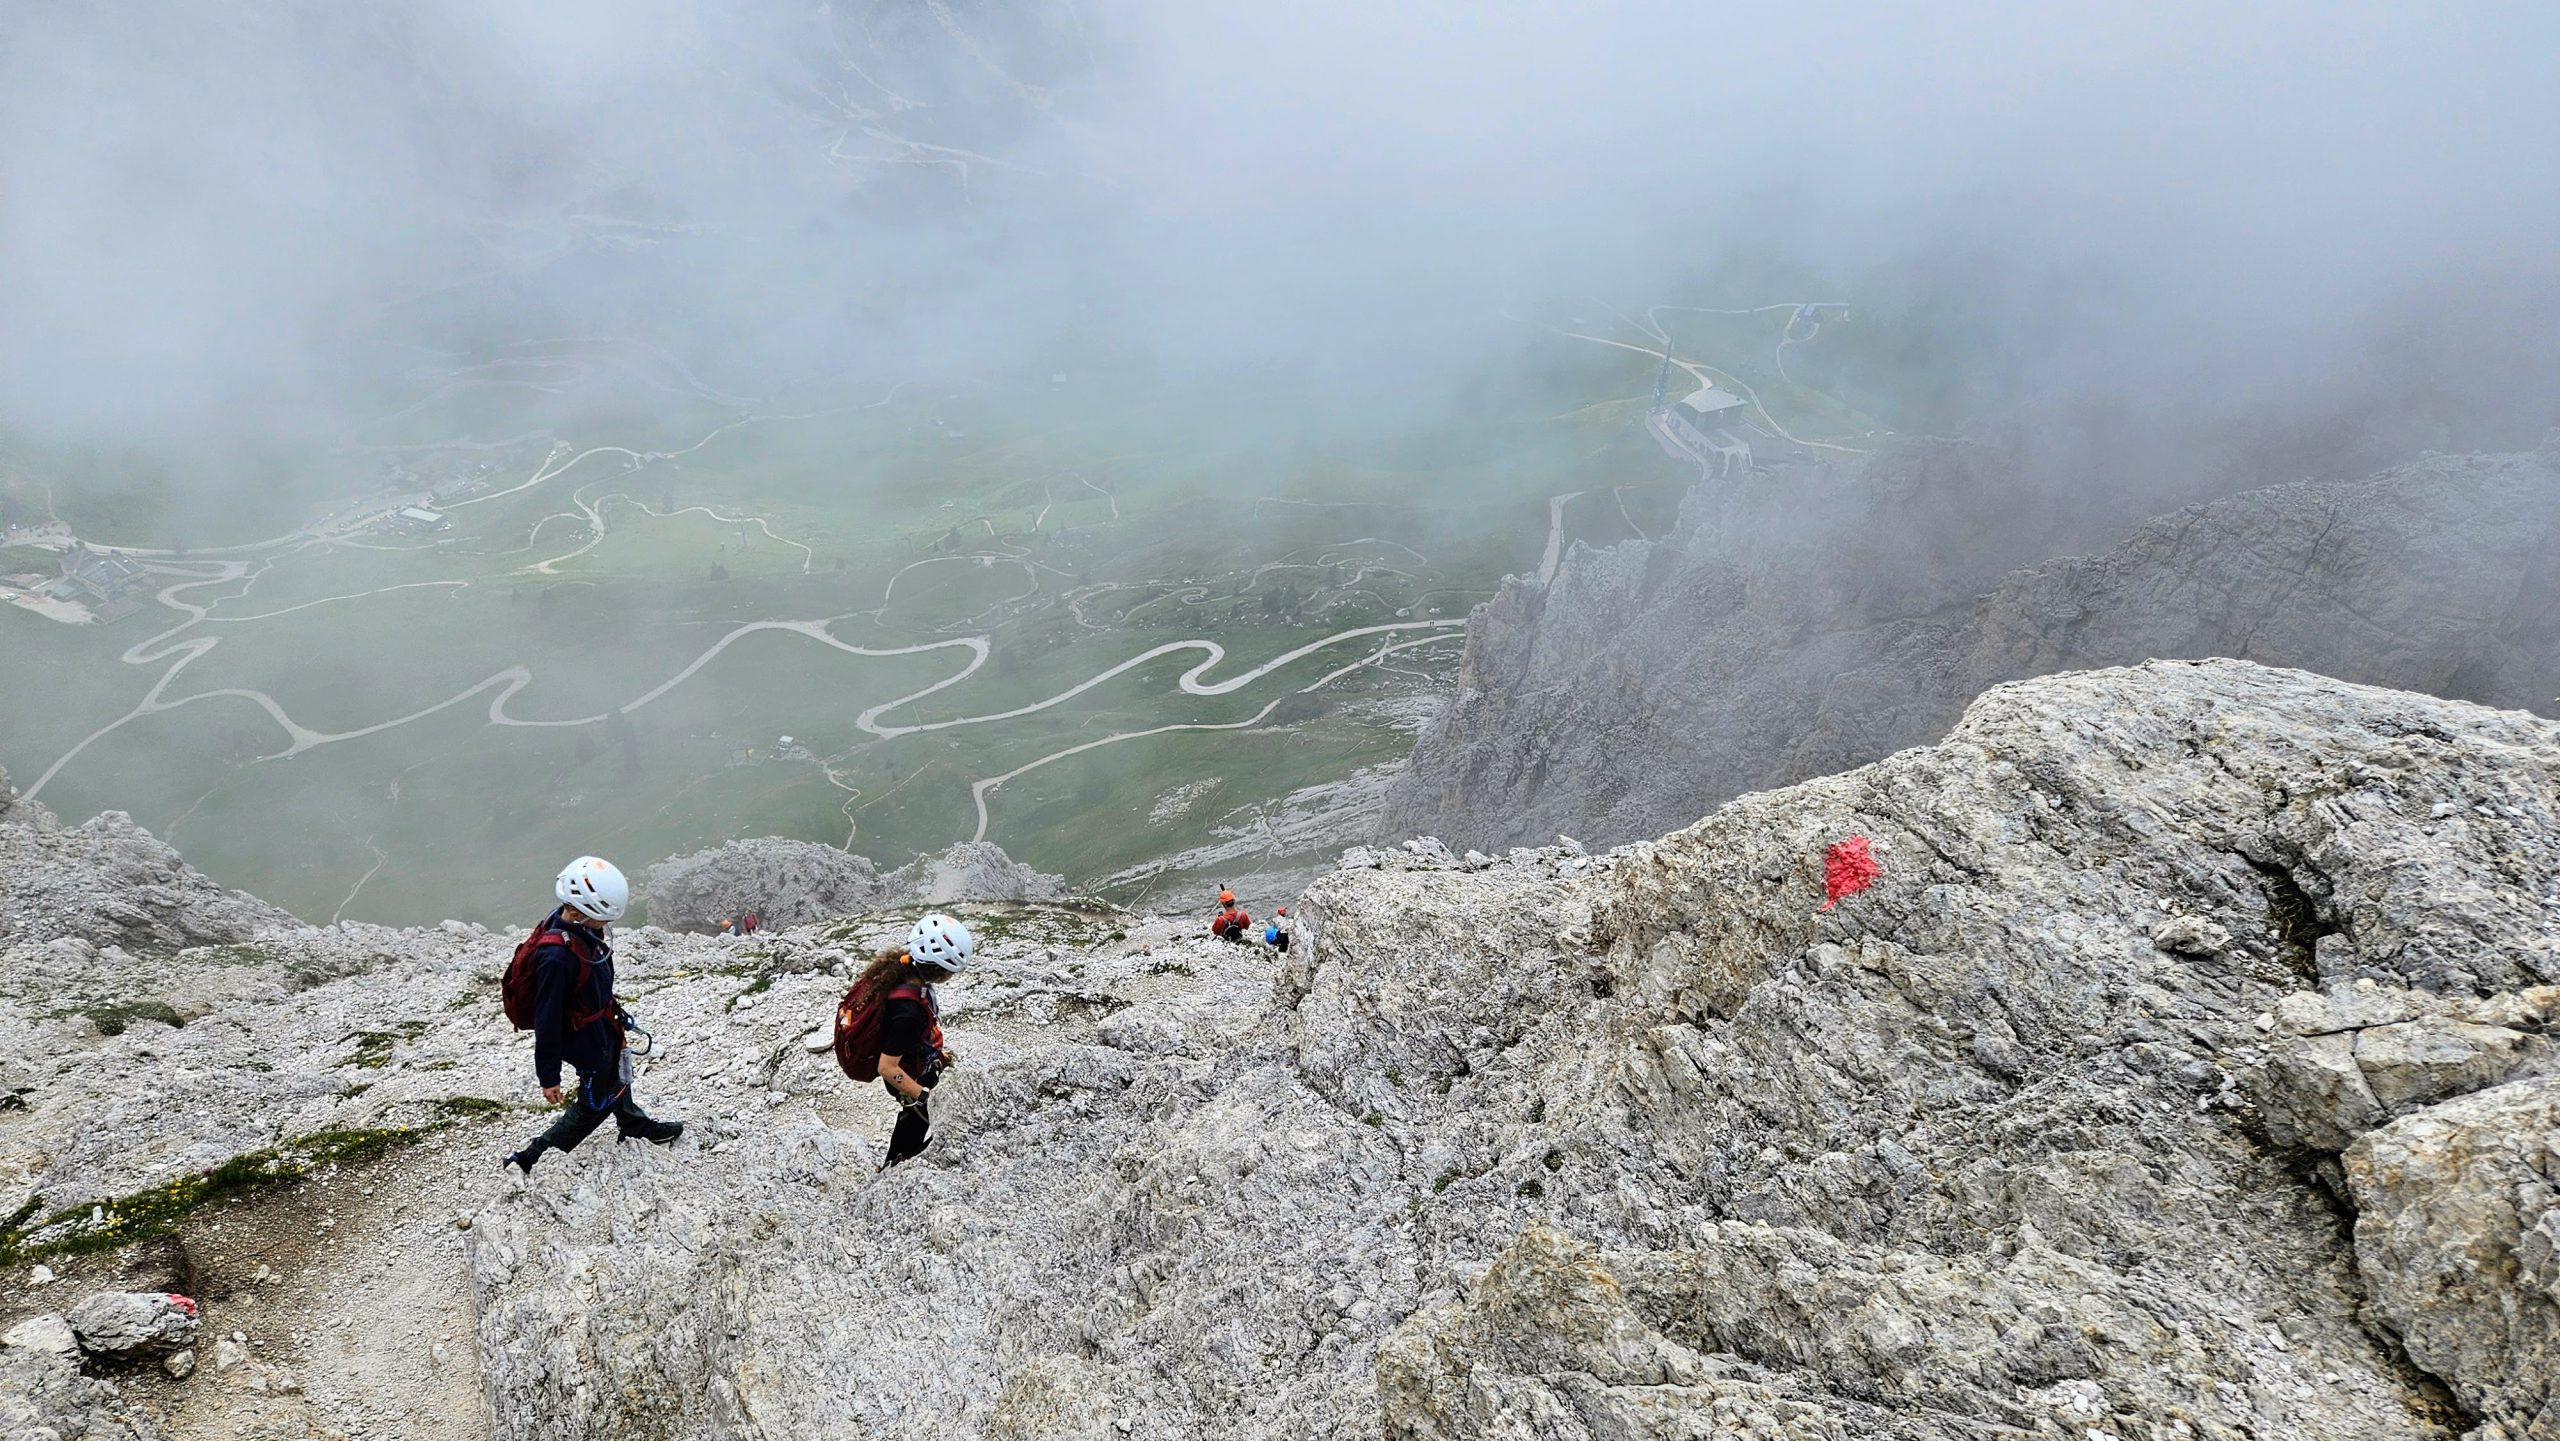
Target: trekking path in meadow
[[514, 679], [593, 512], [1652, 326], [1706, 377], [979, 790], [181, 645]]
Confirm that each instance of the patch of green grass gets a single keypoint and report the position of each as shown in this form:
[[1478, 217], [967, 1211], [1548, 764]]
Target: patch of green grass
[[1555, 1160], [761, 984], [1373, 1120], [147, 1215], [471, 1108], [1149, 550], [1531, 1188], [114, 1020], [20, 559], [373, 1048], [1441, 1182]]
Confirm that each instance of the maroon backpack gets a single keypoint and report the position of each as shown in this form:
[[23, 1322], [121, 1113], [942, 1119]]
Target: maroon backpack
[[517, 989], [858, 1028]]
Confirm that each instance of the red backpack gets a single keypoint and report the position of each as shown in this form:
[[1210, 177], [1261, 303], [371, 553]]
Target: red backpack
[[858, 1028], [517, 990]]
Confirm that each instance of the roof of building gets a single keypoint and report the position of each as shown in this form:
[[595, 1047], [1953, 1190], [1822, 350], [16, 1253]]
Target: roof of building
[[422, 515], [1709, 400], [89, 565]]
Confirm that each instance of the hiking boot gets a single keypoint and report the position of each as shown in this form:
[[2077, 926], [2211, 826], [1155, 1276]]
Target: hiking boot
[[657, 1133], [516, 1163]]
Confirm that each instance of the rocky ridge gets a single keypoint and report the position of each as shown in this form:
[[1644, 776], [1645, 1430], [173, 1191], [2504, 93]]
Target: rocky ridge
[[789, 883], [2050, 1134], [1813, 618], [1565, 1145], [107, 881]]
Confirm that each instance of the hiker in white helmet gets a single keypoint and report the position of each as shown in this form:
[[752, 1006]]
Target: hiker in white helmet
[[562, 976], [892, 1020]]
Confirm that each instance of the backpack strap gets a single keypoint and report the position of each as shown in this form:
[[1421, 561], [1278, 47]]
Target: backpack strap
[[923, 996], [578, 1020]]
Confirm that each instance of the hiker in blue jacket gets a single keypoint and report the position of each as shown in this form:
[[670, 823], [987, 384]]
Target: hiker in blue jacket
[[576, 1019]]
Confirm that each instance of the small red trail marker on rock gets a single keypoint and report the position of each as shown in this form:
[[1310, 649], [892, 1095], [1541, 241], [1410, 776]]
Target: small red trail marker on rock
[[1848, 867]]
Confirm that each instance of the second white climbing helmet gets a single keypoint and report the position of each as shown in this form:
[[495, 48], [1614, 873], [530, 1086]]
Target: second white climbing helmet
[[594, 888], [938, 940]]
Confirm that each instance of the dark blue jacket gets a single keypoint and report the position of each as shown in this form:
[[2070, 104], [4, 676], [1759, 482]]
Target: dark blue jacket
[[559, 1001]]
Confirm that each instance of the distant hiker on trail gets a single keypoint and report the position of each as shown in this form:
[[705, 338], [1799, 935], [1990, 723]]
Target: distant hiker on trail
[[1230, 922], [750, 923], [889, 1025], [560, 987], [1276, 936]]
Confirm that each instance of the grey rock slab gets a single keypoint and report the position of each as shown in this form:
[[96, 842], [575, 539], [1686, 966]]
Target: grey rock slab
[[2457, 1216], [46, 1334], [114, 1323], [1649, 1143], [788, 882]]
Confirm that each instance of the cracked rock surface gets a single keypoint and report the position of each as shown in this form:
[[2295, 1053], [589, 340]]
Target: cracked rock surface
[[1646, 1144], [2187, 1073], [789, 883]]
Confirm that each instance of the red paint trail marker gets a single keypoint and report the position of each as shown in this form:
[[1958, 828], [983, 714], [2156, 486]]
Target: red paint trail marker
[[1848, 867]]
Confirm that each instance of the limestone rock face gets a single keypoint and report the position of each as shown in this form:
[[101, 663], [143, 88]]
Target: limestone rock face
[[2186, 1074], [110, 882], [1817, 618], [44, 1396], [117, 1323], [46, 1334], [1649, 1144], [2458, 1238], [2347, 1060], [970, 871], [790, 883]]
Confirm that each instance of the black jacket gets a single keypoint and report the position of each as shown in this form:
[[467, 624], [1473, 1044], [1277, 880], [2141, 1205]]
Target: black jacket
[[559, 1002]]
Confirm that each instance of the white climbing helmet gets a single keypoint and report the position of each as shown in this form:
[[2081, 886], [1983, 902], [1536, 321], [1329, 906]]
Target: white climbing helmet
[[593, 887], [938, 940]]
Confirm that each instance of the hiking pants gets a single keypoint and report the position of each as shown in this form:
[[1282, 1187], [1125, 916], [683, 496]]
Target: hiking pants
[[914, 1128], [580, 1116]]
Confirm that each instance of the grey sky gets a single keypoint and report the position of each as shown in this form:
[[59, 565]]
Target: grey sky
[[251, 216]]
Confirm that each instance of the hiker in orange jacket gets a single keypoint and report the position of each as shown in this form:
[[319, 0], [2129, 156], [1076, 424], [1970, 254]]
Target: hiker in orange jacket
[[1230, 922]]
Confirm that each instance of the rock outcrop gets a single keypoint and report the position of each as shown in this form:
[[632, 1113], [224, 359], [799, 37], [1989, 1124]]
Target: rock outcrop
[[1648, 1144], [108, 881], [1816, 618], [120, 1323], [2048, 1134], [45, 1396], [790, 883]]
